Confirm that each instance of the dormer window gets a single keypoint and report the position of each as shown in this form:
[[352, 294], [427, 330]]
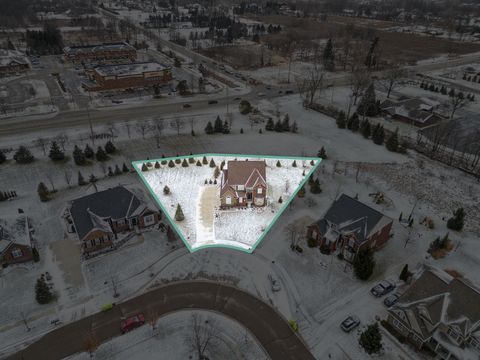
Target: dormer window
[[241, 187]]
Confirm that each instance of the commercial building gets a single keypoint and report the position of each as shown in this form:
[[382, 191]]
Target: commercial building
[[12, 62], [107, 52]]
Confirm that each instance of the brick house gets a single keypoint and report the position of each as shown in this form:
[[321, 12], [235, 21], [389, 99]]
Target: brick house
[[106, 52], [12, 62], [126, 76], [15, 241], [243, 183], [102, 218], [419, 112], [440, 313], [349, 226]]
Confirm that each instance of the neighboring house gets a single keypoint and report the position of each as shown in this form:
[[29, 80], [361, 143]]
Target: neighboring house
[[102, 218], [419, 112], [441, 313], [12, 62], [127, 76], [15, 241], [350, 226], [243, 184]]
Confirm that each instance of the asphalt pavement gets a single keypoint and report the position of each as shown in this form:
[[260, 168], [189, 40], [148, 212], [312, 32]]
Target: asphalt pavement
[[270, 329]]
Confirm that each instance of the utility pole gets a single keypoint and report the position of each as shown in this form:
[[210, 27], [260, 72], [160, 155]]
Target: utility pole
[[90, 120]]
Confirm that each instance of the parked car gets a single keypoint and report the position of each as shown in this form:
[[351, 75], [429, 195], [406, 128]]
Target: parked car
[[132, 323], [260, 94], [382, 288], [350, 323], [210, 102], [115, 101], [186, 106], [274, 283], [237, 99], [288, 92], [390, 300]]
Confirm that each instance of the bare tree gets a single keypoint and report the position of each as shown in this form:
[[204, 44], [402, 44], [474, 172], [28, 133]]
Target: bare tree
[[62, 139], [391, 78], [457, 101], [205, 335], [50, 180], [127, 126], [25, 320], [141, 127], [41, 142], [177, 124], [312, 83], [90, 343], [68, 176], [292, 231], [359, 81], [111, 129], [152, 318], [158, 126]]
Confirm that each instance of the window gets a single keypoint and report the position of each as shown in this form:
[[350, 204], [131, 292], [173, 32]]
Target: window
[[240, 199], [228, 200], [314, 234], [121, 222], [240, 187], [454, 334], [148, 220], [260, 190], [16, 253]]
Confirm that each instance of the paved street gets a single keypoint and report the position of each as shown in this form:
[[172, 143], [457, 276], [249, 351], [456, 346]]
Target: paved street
[[270, 329]]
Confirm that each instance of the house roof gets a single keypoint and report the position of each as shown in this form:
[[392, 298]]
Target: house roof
[[438, 297], [12, 57], [14, 230], [348, 215], [83, 49], [244, 172], [89, 212], [418, 109]]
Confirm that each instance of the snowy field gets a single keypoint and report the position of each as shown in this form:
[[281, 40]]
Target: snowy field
[[240, 228]]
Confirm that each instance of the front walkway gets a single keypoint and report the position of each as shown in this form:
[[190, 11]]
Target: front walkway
[[208, 199]]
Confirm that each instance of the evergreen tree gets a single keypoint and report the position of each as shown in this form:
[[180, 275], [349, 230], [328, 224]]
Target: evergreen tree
[[43, 192], [392, 141], [329, 56], [56, 154], [23, 156], [125, 168], [355, 123], [110, 171], [293, 128], [286, 123], [368, 104], [294, 164], [353, 119], [378, 135], [371, 339], [144, 167], [226, 127], [280, 200], [171, 164], [79, 156], [405, 274], [209, 128], [279, 164], [101, 155], [301, 192], [3, 158], [218, 127], [35, 254], [117, 170], [199, 163], [88, 152], [363, 264], [341, 120], [191, 160], [179, 213], [43, 295], [366, 129], [457, 221], [184, 163], [212, 163], [322, 154], [315, 187], [216, 172], [110, 148], [81, 180], [270, 126], [93, 179], [157, 165], [278, 126], [204, 160], [166, 190]]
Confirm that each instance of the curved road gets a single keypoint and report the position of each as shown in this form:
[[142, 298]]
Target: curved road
[[270, 329]]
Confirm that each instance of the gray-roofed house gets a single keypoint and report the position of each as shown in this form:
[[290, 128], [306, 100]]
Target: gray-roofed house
[[103, 218], [419, 111], [12, 62], [15, 241], [441, 313], [350, 226]]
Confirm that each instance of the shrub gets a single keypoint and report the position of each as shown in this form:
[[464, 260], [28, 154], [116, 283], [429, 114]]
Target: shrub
[[23, 156]]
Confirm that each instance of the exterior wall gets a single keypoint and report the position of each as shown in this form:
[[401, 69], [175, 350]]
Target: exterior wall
[[261, 196], [156, 218], [125, 82], [96, 236], [13, 69], [433, 120], [380, 238], [404, 331], [223, 200], [8, 258]]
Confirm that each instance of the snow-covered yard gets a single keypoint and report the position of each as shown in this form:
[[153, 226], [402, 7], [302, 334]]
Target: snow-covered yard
[[239, 227]]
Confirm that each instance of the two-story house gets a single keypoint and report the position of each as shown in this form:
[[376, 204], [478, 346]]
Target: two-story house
[[441, 313], [350, 226], [101, 218], [243, 184], [15, 241]]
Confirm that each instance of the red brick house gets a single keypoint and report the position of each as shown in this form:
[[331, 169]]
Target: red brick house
[[103, 218], [15, 242], [106, 52], [243, 183], [126, 76], [349, 226]]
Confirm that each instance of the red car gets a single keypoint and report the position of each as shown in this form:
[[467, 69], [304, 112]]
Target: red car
[[132, 322]]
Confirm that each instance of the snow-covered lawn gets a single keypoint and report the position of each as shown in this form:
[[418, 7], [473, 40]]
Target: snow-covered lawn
[[241, 228]]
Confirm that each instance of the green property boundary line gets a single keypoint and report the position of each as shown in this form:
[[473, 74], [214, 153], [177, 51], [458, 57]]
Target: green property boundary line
[[277, 216]]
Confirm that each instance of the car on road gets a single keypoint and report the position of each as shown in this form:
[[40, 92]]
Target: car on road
[[237, 99], [390, 300], [350, 323], [186, 106], [260, 94], [132, 322], [288, 92], [382, 288], [274, 283], [210, 102], [268, 87], [115, 101]]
